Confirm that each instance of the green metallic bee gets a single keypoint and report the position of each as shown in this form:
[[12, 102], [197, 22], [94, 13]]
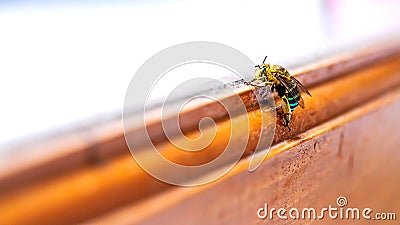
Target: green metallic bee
[[288, 87]]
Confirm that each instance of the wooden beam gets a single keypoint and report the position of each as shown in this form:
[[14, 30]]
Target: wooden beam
[[354, 155], [101, 187]]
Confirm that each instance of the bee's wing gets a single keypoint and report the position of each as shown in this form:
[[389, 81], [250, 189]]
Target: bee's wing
[[289, 86], [301, 102], [301, 86]]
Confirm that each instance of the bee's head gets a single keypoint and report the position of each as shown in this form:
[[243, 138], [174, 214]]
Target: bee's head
[[260, 70], [258, 73]]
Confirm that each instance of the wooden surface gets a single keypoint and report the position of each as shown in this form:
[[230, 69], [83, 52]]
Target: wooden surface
[[103, 140], [299, 170], [337, 158], [84, 147]]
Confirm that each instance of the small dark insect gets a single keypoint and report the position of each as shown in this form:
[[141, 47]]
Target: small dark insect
[[288, 87]]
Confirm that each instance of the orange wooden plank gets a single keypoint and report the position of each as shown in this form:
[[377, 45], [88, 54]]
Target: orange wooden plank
[[59, 155], [354, 155], [103, 187]]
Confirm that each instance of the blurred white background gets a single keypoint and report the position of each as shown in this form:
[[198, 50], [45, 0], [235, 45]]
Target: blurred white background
[[62, 62]]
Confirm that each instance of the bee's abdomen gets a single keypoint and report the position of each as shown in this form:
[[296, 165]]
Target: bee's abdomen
[[293, 103], [294, 100]]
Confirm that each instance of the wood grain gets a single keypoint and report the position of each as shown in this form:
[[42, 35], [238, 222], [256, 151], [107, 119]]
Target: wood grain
[[342, 157], [103, 139], [89, 189]]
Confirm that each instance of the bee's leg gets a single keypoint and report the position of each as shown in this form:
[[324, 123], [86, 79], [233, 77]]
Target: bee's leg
[[279, 107], [287, 113], [249, 82], [262, 84]]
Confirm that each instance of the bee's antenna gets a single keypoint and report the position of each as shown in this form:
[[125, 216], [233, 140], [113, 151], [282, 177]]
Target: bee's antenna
[[257, 66], [265, 59]]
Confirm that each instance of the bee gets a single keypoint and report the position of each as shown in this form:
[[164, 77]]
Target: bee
[[287, 87]]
